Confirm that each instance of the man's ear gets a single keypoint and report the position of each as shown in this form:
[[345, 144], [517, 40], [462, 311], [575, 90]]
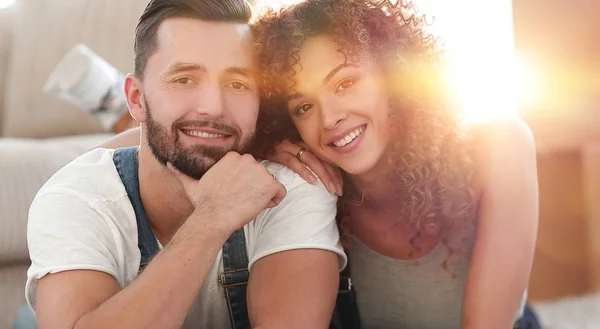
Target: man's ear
[[134, 96]]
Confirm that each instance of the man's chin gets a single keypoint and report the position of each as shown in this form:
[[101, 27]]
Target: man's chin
[[195, 168]]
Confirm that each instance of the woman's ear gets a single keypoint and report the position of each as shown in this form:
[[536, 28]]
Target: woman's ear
[[134, 96]]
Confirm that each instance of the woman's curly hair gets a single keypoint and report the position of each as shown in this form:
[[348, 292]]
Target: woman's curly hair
[[431, 163]]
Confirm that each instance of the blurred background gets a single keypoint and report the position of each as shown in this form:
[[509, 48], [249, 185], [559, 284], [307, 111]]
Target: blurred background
[[536, 59]]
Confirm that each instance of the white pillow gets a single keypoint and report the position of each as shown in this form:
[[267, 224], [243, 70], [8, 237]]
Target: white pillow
[[25, 165]]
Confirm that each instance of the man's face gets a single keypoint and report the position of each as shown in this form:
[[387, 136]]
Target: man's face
[[199, 93]]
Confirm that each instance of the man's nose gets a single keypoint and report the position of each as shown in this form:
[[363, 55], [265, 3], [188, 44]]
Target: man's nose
[[210, 100]]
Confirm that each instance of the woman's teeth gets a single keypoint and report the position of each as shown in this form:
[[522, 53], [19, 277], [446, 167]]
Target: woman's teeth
[[203, 134], [350, 137]]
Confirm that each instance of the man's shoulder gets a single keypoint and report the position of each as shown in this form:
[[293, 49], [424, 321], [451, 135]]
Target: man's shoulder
[[283, 174], [299, 191], [289, 178], [91, 175], [305, 219]]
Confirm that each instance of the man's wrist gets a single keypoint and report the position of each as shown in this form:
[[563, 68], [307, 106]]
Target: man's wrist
[[207, 226]]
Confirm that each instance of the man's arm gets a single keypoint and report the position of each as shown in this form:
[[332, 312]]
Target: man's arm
[[293, 289], [295, 257], [158, 298], [162, 295], [506, 227]]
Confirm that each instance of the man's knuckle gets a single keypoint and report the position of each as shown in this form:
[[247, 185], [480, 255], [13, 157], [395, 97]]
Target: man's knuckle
[[247, 158]]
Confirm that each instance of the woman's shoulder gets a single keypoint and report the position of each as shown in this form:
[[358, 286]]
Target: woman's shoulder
[[497, 133], [497, 145]]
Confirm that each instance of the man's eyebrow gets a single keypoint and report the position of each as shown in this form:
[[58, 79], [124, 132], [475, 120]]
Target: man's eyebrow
[[180, 67], [241, 71], [337, 69]]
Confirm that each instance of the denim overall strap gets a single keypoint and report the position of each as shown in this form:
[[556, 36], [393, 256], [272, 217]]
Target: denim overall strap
[[345, 315], [529, 320], [235, 260], [127, 166], [234, 279]]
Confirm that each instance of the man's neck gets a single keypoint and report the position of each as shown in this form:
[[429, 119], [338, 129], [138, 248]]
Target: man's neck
[[164, 199]]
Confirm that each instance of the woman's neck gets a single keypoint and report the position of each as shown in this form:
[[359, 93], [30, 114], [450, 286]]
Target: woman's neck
[[375, 219], [378, 187]]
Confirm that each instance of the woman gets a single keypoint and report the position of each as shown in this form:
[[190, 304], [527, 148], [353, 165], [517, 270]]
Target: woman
[[439, 218]]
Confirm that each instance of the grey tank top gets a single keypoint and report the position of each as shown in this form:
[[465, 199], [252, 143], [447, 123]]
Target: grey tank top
[[416, 294]]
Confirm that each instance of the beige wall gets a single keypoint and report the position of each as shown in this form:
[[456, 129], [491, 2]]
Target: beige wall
[[567, 257], [44, 30], [591, 170], [560, 267]]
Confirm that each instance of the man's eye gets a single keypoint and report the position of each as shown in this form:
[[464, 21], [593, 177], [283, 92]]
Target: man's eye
[[238, 86], [184, 81], [303, 109]]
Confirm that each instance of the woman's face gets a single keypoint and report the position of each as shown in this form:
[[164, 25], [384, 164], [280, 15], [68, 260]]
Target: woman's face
[[340, 108]]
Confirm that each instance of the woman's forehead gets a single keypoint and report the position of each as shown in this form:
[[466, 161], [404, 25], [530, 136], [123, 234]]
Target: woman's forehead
[[316, 59], [320, 53]]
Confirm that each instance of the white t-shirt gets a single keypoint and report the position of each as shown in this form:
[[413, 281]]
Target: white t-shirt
[[82, 219]]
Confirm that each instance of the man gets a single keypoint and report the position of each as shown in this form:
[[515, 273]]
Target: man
[[95, 224]]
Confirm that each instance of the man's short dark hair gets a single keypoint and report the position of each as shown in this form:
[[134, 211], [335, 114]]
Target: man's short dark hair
[[233, 11]]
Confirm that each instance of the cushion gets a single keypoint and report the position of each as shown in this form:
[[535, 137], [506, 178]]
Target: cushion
[[43, 32], [25, 165], [5, 26]]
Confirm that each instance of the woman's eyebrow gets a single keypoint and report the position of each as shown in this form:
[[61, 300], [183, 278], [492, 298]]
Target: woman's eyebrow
[[338, 68]]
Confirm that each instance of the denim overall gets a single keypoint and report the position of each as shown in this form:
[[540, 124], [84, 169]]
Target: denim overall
[[234, 277]]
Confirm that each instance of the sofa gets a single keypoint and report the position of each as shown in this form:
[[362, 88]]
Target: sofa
[[25, 165], [40, 134]]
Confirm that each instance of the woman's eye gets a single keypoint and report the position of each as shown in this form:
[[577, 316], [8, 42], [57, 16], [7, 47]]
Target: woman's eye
[[303, 109], [238, 86], [344, 84], [184, 81]]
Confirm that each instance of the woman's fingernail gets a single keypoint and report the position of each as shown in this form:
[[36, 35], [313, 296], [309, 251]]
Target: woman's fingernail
[[312, 179], [339, 189], [332, 188]]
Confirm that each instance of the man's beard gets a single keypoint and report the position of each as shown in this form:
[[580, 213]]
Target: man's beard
[[195, 160]]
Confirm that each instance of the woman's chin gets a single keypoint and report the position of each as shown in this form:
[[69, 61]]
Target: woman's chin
[[357, 168], [363, 164]]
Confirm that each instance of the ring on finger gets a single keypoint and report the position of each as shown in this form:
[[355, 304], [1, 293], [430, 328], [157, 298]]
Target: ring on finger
[[300, 152]]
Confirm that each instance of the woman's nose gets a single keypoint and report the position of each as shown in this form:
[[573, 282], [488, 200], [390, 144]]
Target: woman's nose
[[333, 115]]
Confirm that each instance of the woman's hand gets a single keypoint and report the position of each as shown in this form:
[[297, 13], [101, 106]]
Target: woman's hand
[[298, 158]]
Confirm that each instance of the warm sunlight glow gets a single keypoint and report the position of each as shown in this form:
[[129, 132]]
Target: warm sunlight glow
[[275, 4], [478, 38], [527, 83], [479, 42]]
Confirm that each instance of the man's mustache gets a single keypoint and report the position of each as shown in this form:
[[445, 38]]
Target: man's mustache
[[218, 125]]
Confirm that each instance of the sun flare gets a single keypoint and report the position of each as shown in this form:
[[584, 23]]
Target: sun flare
[[478, 41]]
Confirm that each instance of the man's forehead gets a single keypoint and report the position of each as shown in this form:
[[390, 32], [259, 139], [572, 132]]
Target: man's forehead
[[193, 40], [202, 28]]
